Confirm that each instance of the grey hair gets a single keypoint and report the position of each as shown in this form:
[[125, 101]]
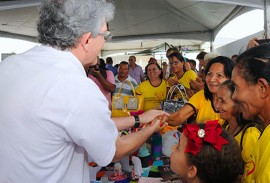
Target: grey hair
[[62, 22]]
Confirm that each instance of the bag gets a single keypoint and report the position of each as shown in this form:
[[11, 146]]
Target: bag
[[123, 105], [171, 105]]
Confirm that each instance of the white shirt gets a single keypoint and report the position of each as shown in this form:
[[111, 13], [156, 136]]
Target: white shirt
[[51, 114], [127, 88]]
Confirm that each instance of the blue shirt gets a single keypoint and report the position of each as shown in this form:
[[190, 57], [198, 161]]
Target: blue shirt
[[112, 68]]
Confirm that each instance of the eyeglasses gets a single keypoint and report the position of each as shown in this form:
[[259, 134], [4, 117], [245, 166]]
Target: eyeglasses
[[174, 62], [107, 36]]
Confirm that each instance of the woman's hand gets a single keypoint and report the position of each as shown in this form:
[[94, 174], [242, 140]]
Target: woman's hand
[[157, 124], [196, 85], [150, 115], [173, 81], [253, 42]]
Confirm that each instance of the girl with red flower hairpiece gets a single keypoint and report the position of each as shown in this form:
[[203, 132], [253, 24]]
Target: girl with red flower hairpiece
[[207, 154]]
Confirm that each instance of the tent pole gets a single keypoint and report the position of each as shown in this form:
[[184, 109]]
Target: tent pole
[[212, 42], [267, 18]]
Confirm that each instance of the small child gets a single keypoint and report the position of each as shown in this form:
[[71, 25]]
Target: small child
[[207, 154]]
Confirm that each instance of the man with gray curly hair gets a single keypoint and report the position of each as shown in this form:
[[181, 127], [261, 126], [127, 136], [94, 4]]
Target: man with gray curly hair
[[52, 115]]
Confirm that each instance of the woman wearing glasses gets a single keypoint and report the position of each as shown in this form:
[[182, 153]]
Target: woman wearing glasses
[[181, 76]]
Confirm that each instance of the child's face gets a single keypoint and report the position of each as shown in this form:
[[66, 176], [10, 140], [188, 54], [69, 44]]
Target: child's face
[[179, 162]]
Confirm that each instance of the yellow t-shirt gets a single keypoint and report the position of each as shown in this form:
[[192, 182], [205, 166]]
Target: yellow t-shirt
[[153, 96], [204, 109], [257, 169], [185, 79], [250, 138]]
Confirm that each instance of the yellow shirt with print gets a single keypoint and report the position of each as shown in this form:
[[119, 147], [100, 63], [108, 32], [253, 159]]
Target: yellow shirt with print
[[204, 109], [186, 78], [153, 96], [250, 138], [257, 169]]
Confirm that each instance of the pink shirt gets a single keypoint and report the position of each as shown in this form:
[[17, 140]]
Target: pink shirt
[[110, 78]]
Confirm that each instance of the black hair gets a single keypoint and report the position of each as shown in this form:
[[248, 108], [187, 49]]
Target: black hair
[[123, 62], [109, 60], [102, 67], [174, 49], [159, 68], [201, 55], [177, 55], [192, 61], [254, 63], [228, 67], [218, 166]]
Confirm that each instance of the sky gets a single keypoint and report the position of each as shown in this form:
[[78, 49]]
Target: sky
[[240, 27]]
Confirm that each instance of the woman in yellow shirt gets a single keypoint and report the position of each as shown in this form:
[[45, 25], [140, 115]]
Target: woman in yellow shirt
[[154, 88], [202, 103], [246, 132], [251, 79], [176, 61]]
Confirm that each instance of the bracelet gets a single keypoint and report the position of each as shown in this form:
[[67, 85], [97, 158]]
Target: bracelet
[[137, 122]]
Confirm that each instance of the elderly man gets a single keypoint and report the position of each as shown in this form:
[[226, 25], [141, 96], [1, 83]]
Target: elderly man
[[123, 76], [52, 115], [135, 70]]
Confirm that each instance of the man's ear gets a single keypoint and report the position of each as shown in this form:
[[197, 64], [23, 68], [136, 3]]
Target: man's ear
[[263, 87], [192, 172], [85, 40]]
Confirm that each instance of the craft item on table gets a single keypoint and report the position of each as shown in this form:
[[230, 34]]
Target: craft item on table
[[154, 171], [169, 139], [122, 105], [146, 171], [166, 173], [156, 145], [137, 168], [118, 174], [176, 98], [149, 180], [143, 154], [158, 163], [125, 164]]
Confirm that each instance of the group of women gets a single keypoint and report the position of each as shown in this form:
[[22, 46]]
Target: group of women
[[235, 94]]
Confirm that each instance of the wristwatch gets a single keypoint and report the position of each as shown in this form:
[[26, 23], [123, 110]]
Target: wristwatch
[[137, 122]]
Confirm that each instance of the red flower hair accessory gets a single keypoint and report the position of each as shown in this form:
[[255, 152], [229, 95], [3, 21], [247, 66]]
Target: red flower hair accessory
[[210, 133]]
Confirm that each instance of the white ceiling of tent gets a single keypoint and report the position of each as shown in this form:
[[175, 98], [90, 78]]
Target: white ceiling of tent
[[141, 24]]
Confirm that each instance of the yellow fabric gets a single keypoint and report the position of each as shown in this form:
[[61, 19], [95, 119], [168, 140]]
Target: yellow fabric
[[257, 169], [185, 79], [152, 95], [204, 108], [250, 138]]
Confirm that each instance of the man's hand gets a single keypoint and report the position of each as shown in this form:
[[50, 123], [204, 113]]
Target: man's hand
[[150, 115]]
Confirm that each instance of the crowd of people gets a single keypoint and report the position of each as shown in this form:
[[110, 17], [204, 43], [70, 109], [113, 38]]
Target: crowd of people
[[56, 103]]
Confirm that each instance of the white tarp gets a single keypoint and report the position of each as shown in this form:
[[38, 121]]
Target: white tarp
[[138, 21]]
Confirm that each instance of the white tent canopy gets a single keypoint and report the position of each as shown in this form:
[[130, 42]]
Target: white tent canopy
[[141, 24]]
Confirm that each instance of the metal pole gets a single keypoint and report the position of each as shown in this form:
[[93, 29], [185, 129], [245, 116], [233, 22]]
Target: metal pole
[[267, 18], [212, 42]]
